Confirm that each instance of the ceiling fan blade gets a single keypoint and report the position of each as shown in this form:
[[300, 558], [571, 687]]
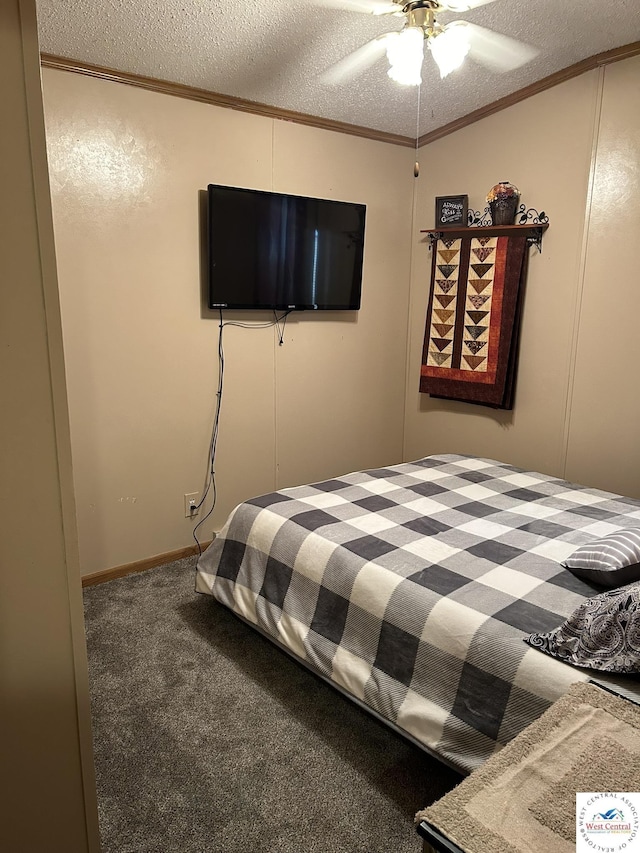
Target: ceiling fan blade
[[463, 5], [355, 63], [495, 50], [371, 7]]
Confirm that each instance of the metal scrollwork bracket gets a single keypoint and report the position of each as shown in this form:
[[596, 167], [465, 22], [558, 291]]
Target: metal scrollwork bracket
[[479, 219], [536, 223], [530, 216], [535, 239]]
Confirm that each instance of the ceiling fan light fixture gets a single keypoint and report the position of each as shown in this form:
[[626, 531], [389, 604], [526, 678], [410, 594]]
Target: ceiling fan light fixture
[[450, 47], [405, 52]]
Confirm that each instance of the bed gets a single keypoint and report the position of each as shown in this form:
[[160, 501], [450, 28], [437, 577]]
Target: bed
[[413, 588]]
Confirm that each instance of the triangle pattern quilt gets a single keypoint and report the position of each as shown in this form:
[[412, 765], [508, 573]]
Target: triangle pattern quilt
[[471, 330]]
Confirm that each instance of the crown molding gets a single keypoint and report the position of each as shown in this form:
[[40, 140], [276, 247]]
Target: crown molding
[[227, 101], [600, 59], [192, 93]]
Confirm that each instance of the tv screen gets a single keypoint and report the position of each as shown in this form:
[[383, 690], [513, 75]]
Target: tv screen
[[283, 252]]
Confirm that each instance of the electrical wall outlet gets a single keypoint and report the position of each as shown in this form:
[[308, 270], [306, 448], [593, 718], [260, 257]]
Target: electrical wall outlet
[[191, 504]]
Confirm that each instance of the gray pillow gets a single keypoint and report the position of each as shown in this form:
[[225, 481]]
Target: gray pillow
[[602, 633], [611, 561]]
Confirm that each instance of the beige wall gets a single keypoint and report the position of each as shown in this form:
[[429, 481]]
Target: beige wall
[[48, 793], [577, 407], [604, 427], [127, 167]]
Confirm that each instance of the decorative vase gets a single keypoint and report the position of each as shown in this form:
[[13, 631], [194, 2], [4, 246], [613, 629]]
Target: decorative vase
[[503, 201]]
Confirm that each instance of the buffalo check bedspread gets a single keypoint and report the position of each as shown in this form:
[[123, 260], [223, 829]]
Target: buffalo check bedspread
[[412, 587]]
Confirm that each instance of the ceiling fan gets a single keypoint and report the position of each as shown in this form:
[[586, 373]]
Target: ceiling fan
[[448, 43]]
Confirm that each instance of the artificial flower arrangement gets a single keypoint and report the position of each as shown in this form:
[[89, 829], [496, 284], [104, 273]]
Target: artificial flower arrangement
[[503, 200], [503, 190]]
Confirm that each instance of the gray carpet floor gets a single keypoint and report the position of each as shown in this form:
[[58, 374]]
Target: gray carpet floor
[[209, 739]]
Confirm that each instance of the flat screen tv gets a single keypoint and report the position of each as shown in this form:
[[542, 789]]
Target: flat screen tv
[[283, 252]]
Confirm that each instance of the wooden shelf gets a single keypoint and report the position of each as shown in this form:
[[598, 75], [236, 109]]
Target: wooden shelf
[[533, 232]]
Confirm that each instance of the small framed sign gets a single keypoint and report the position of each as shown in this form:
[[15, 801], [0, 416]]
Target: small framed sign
[[451, 211]]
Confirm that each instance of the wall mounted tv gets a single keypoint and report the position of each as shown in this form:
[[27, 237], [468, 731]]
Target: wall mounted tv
[[283, 252]]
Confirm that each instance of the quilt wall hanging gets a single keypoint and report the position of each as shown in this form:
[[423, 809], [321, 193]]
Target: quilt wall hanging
[[473, 317]]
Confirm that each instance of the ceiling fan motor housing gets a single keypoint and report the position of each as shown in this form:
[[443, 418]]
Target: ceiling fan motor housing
[[422, 14], [412, 5]]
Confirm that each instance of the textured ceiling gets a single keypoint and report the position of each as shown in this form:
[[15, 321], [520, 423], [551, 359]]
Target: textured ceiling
[[275, 52]]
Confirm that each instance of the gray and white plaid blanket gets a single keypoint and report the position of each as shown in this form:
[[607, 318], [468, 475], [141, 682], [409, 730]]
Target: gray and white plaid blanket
[[412, 587]]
